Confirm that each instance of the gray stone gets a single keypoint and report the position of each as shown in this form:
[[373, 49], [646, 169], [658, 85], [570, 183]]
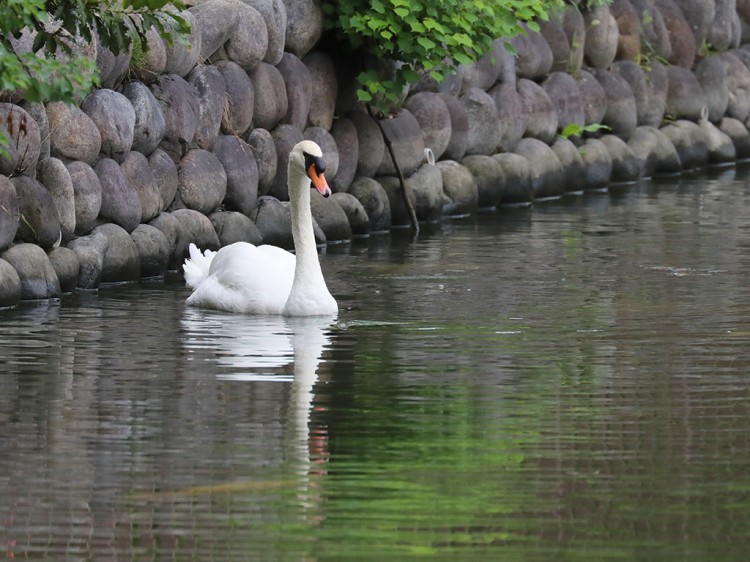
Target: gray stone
[[9, 212], [10, 285], [112, 68], [653, 30], [284, 138], [533, 55], [304, 26], [248, 45], [56, 178], [488, 175], [202, 181], [165, 174], [597, 163], [240, 98], [231, 227], [65, 263], [121, 260], [689, 142], [114, 116], [656, 151], [484, 125], [182, 56], [629, 30], [685, 97], [359, 222], [327, 144], [553, 31], [264, 149], [621, 115], [298, 84], [681, 37], [39, 221], [711, 76], [271, 104], [330, 217], [538, 111], [738, 84], [120, 201], [434, 120], [210, 91], [572, 164], [324, 89], [516, 188], [39, 115], [274, 222], [179, 104], [459, 127], [575, 30], [593, 97], [239, 164], [737, 131], [626, 166], [24, 143], [37, 276], [723, 31], [406, 141], [459, 187], [426, 186], [370, 141], [87, 196], [141, 177], [510, 114], [400, 217], [720, 147], [153, 62], [562, 90], [274, 14], [375, 201], [344, 134], [217, 20], [177, 236], [602, 34], [649, 90], [149, 125], [199, 229], [153, 250], [482, 73], [90, 252], [547, 177]]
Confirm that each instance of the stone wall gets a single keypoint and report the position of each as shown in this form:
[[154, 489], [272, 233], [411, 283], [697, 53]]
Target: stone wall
[[189, 144]]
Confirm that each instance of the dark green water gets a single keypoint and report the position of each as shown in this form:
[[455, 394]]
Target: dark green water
[[568, 382]]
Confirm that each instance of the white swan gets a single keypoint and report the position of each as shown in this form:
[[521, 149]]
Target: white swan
[[266, 279]]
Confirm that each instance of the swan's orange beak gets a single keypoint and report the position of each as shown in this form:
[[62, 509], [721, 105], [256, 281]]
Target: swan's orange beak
[[318, 181]]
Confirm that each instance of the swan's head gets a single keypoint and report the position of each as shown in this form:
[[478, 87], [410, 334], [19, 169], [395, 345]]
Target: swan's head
[[308, 158]]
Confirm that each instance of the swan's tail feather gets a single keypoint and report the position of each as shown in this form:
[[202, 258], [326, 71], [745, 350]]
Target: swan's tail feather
[[196, 266]]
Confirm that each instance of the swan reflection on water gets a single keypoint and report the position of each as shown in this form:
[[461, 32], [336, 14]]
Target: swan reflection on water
[[268, 349]]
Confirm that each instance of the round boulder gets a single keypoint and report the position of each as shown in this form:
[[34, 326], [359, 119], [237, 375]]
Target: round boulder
[[406, 141], [39, 220], [515, 189], [182, 56], [274, 222], [114, 116], [689, 142], [572, 165], [344, 134], [248, 45], [210, 94], [73, 135], [90, 251], [298, 84], [284, 137], [685, 97], [231, 227], [304, 26], [274, 14], [10, 285], [562, 90], [621, 115], [153, 250], [547, 177], [263, 146], [626, 166], [199, 229], [24, 142], [459, 187], [141, 177], [240, 98], [330, 217], [271, 103], [165, 174], [35, 271], [484, 125], [375, 202], [87, 196], [177, 236], [65, 263], [593, 97], [359, 222], [179, 105], [238, 162], [488, 175], [56, 178], [324, 89], [434, 120], [10, 212], [120, 201], [597, 163], [370, 142], [426, 185], [537, 111], [149, 126], [121, 260], [202, 181], [459, 117]]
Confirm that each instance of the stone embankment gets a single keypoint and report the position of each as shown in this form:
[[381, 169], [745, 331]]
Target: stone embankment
[[189, 143]]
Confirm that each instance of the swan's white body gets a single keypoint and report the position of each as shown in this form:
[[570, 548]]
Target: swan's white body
[[266, 279]]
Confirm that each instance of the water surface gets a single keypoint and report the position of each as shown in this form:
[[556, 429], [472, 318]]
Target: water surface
[[566, 382]]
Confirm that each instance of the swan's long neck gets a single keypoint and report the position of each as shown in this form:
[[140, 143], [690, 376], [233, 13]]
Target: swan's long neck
[[308, 277]]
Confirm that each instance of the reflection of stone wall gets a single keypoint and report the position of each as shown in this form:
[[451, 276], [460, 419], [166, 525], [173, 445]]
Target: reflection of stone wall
[[190, 143]]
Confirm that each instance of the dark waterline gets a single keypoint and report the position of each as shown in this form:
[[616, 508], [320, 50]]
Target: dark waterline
[[563, 382]]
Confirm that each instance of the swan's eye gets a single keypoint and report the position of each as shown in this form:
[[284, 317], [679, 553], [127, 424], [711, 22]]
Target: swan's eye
[[316, 161]]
